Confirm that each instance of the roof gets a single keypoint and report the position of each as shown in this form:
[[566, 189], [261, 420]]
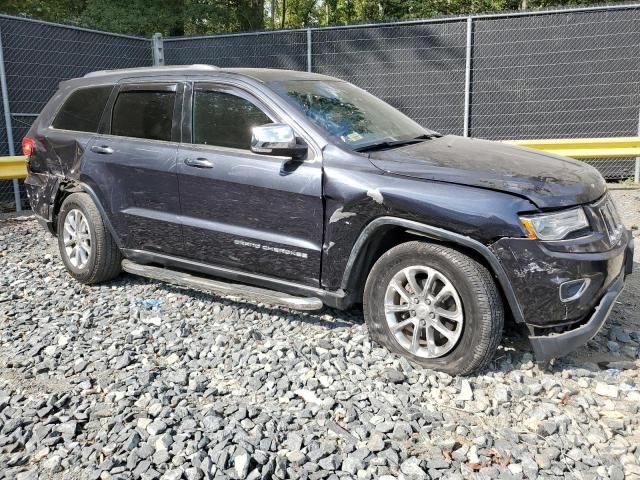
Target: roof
[[151, 70], [276, 74], [261, 74]]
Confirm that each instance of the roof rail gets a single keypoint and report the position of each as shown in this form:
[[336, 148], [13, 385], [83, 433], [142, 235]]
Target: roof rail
[[160, 69]]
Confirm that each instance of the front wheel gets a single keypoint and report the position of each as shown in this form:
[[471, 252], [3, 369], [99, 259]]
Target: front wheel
[[87, 248], [434, 305]]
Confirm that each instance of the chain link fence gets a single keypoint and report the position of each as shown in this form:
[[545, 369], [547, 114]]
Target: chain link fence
[[571, 74], [39, 55], [286, 49], [544, 74], [418, 68]]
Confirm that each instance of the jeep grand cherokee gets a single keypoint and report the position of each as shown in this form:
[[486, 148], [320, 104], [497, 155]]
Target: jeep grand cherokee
[[303, 190]]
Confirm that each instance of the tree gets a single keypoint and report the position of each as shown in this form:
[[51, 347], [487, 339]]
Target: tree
[[250, 14], [138, 17], [185, 17], [302, 13], [65, 11]]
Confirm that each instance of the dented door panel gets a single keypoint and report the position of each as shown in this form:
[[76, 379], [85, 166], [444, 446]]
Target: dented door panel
[[135, 179]]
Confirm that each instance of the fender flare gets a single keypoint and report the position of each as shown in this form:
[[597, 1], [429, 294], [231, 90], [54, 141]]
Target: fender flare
[[440, 234]]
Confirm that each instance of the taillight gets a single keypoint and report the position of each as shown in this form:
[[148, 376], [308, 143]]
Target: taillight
[[28, 145]]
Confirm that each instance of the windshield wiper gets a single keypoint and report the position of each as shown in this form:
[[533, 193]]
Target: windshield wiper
[[392, 143]]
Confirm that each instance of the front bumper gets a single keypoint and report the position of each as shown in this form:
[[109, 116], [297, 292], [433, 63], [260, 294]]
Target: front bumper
[[551, 346], [558, 327]]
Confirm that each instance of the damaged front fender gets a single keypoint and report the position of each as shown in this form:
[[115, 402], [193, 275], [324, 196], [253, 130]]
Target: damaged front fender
[[363, 205]]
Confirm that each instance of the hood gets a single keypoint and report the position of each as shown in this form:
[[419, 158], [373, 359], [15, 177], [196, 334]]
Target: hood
[[545, 179]]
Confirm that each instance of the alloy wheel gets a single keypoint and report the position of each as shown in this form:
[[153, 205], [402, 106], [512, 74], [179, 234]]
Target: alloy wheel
[[424, 311], [77, 238]]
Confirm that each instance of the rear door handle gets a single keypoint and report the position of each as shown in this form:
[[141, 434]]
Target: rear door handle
[[198, 163], [102, 149]]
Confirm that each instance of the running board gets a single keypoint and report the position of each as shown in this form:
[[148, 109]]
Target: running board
[[256, 294]]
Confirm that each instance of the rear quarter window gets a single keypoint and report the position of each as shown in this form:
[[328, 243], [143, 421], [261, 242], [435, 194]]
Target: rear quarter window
[[82, 110]]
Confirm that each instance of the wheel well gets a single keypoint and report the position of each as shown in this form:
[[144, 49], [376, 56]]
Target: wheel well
[[390, 236], [64, 190]]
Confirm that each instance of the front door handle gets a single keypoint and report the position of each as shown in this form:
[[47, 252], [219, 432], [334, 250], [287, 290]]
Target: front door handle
[[198, 163], [102, 149]]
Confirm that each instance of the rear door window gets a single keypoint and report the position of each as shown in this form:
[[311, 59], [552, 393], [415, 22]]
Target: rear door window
[[144, 113], [83, 109], [224, 119]]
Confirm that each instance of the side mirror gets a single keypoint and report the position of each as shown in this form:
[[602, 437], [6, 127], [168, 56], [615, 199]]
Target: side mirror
[[276, 139]]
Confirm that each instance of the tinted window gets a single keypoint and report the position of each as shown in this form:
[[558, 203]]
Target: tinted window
[[83, 109], [225, 120], [143, 114]]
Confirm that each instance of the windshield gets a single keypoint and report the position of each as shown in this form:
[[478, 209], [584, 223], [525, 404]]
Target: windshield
[[349, 113]]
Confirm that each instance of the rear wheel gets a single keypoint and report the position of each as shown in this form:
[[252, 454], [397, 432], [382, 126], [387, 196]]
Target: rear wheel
[[434, 305], [87, 248]]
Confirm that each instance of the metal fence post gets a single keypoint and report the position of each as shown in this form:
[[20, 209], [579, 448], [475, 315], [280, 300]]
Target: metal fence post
[[467, 77], [309, 65], [636, 173], [8, 124], [157, 49]]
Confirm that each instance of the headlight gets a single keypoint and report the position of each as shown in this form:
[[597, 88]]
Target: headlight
[[555, 226]]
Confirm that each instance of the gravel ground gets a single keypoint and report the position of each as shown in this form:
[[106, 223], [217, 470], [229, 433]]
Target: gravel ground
[[137, 379]]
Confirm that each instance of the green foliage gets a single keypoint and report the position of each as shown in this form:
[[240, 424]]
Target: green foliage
[[301, 12], [66, 11], [185, 17], [145, 17], [139, 17]]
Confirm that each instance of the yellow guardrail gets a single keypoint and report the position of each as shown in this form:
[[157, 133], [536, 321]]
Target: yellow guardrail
[[13, 167], [614, 147]]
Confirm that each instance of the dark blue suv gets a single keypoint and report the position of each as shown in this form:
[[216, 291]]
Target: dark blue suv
[[302, 190]]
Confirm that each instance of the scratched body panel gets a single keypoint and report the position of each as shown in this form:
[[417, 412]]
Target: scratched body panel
[[549, 181], [59, 156], [356, 192], [537, 272]]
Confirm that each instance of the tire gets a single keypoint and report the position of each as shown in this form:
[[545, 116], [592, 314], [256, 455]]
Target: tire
[[469, 306], [99, 259]]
